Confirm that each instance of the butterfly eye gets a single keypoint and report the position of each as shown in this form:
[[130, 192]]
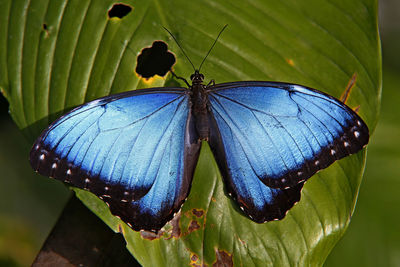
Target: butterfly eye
[[197, 76]]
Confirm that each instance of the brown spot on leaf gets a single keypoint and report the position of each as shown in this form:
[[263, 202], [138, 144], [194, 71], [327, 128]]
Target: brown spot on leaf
[[197, 213], [151, 235], [193, 226], [290, 62], [188, 214], [241, 241], [224, 259], [176, 229], [195, 261], [349, 87]]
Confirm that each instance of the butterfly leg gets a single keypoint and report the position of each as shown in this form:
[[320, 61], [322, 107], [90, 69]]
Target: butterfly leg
[[349, 87], [211, 83], [180, 78]]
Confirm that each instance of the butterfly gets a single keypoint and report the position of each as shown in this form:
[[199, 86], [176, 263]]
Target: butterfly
[[138, 150]]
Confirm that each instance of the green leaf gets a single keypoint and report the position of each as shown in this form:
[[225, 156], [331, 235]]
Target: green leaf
[[55, 55]]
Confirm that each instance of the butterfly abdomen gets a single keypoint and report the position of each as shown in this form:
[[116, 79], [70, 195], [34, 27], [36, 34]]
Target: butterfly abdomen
[[199, 102]]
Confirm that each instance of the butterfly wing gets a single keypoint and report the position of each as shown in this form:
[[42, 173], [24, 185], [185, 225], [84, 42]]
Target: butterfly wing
[[136, 150], [270, 137]]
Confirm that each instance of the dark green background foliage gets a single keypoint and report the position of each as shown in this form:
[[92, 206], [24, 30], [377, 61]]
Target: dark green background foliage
[[86, 55]]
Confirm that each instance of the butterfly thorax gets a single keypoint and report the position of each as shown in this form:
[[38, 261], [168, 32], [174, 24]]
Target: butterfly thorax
[[199, 103]]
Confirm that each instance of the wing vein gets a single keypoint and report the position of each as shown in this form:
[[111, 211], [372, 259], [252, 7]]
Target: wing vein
[[243, 135], [159, 140], [267, 134]]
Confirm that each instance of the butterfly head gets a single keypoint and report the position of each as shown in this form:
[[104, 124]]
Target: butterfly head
[[197, 77]]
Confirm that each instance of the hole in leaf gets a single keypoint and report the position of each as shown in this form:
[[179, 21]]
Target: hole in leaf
[[119, 10], [45, 29], [154, 60]]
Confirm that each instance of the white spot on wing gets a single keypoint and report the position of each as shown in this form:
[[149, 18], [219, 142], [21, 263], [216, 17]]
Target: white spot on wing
[[41, 157], [346, 144], [356, 134], [69, 172], [54, 166]]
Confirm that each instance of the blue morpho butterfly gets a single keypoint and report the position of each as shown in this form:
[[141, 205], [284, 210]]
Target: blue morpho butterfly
[[138, 150]]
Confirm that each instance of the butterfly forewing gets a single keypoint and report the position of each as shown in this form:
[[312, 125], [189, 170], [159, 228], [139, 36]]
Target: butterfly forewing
[[135, 150]]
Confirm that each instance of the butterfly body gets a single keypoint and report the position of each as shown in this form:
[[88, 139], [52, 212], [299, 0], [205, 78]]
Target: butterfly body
[[199, 101], [138, 150]]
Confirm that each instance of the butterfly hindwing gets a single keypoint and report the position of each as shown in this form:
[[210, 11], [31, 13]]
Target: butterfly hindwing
[[260, 202], [135, 150], [273, 137]]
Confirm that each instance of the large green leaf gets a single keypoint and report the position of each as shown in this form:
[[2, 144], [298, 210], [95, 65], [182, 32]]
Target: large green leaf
[[57, 54]]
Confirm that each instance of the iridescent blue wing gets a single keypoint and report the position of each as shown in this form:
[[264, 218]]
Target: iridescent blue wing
[[135, 150], [270, 137]]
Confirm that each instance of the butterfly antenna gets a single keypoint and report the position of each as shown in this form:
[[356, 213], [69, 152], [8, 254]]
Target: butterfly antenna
[[183, 51], [209, 51]]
